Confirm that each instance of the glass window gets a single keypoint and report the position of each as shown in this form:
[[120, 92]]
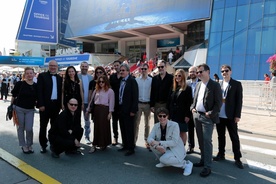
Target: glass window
[[263, 66], [252, 67], [217, 20], [229, 19], [225, 60], [256, 1], [227, 47], [230, 3], [254, 41], [242, 18], [240, 43], [218, 4], [268, 46], [270, 7], [269, 21], [243, 2], [214, 51], [215, 39], [237, 65], [256, 13], [213, 63]]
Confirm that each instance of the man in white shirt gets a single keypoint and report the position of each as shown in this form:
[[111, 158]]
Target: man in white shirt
[[144, 87], [85, 78]]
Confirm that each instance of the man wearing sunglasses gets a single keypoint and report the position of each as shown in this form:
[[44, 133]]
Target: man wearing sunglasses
[[167, 145], [205, 109], [230, 114], [160, 88]]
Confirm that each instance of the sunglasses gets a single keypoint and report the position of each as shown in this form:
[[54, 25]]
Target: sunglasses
[[160, 67], [122, 70], [73, 104], [178, 75], [222, 71], [143, 68], [99, 72], [200, 72], [101, 82], [162, 116]]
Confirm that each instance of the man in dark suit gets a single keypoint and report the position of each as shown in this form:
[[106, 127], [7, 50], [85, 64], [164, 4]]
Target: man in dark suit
[[205, 109], [49, 100], [128, 106], [230, 114]]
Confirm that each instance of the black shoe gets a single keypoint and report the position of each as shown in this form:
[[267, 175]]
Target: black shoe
[[199, 164], [190, 151], [43, 150], [129, 152], [25, 152], [122, 149], [239, 164], [54, 155], [219, 157], [205, 172]]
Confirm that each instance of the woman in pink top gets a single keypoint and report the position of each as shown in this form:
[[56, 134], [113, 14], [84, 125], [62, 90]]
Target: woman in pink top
[[104, 106]]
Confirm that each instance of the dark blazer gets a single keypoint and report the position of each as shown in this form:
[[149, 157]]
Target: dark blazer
[[179, 106], [130, 96], [212, 99], [44, 88], [233, 101]]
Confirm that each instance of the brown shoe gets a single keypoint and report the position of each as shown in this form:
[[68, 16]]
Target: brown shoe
[[114, 142], [147, 145]]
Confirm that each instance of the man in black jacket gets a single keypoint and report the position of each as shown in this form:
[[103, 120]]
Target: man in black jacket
[[230, 114]]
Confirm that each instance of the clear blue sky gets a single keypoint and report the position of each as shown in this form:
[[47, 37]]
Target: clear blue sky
[[10, 16]]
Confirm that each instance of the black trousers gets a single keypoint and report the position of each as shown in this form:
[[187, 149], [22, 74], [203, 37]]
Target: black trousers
[[191, 133], [127, 130], [51, 114], [232, 128], [115, 119]]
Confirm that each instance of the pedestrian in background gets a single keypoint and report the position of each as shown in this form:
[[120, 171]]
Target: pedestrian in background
[[229, 116], [24, 97], [49, 86], [104, 106], [216, 77]]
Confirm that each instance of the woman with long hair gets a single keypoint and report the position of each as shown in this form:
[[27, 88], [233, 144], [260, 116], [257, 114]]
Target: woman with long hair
[[180, 102], [104, 106], [72, 88], [24, 97]]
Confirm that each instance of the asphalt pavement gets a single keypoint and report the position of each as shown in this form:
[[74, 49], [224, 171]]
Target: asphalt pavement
[[256, 119]]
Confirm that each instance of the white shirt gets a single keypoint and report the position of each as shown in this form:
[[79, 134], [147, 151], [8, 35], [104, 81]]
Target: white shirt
[[199, 104], [224, 90], [144, 86]]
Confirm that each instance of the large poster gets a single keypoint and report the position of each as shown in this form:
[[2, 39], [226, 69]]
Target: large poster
[[39, 21], [101, 16], [21, 61]]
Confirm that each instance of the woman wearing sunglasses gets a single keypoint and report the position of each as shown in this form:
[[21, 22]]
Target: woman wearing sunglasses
[[166, 143], [180, 102], [104, 101], [65, 136]]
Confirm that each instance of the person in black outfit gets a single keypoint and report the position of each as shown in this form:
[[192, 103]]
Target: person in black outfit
[[49, 100], [160, 88], [115, 80], [4, 87], [67, 132]]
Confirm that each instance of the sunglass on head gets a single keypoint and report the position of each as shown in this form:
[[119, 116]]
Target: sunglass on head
[[101, 82], [100, 72], [162, 116], [73, 104], [200, 72], [160, 67], [143, 68], [222, 71], [178, 75]]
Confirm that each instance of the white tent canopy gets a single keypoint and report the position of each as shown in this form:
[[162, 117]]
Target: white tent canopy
[[78, 68], [17, 69], [5, 68]]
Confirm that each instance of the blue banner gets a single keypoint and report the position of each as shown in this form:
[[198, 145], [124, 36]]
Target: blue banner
[[39, 21], [72, 59], [21, 61], [173, 42]]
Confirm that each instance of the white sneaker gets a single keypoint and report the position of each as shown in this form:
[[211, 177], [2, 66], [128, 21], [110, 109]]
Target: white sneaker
[[160, 165], [188, 168]]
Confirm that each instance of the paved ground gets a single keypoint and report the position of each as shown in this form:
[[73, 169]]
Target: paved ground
[[254, 120]]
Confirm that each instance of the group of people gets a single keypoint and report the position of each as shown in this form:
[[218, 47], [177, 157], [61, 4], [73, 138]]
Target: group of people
[[180, 105]]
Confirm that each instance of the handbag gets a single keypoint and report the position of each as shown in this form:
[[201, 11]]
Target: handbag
[[9, 112]]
